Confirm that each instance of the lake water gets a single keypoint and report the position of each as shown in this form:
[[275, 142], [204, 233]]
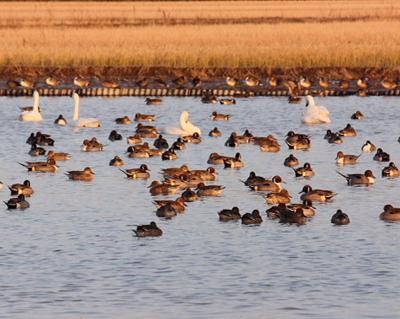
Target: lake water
[[73, 255]]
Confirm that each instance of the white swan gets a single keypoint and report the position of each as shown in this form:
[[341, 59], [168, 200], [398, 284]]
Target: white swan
[[315, 114], [186, 127], [87, 123], [34, 115]]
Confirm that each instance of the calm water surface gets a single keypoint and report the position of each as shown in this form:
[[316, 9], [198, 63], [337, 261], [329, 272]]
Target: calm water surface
[[72, 255]]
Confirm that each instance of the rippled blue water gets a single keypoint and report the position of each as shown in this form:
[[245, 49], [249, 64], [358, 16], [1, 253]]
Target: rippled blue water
[[72, 255]]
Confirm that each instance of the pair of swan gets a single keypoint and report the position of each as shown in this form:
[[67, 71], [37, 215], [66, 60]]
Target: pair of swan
[[36, 116], [315, 114]]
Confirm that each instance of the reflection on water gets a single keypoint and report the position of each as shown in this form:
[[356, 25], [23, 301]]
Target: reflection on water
[[72, 254]]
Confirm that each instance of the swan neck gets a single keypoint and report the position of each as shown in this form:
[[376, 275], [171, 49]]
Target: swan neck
[[76, 109], [36, 101]]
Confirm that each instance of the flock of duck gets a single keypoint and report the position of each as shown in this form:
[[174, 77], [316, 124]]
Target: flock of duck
[[190, 184]]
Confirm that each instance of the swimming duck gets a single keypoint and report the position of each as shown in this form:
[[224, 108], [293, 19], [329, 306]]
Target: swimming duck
[[261, 140], [134, 139], [235, 140], [348, 131], [86, 175], [161, 143], [273, 147], [253, 218], [357, 116], [367, 178], [227, 215], [43, 167], [139, 117], [381, 156], [368, 147], [234, 162], [123, 120], [315, 114], [253, 179], [158, 188], [344, 159], [389, 85], [137, 173], [305, 171], [40, 139], [147, 131], [215, 132], [273, 185], [291, 161], [167, 211], [231, 81], [194, 138], [306, 206], [220, 117], [24, 189], [282, 196], [139, 154], [209, 190], [92, 145], [289, 216], [153, 101], [335, 138], [138, 147], [390, 213], [316, 195], [340, 218], [169, 155], [293, 98], [154, 152], [36, 151], [189, 196], [391, 171], [297, 141], [117, 161], [209, 174], [227, 101], [209, 99], [151, 230], [178, 204], [175, 171], [17, 203], [114, 136], [60, 120], [178, 145], [59, 156]]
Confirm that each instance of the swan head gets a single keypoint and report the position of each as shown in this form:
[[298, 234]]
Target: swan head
[[185, 116], [310, 100]]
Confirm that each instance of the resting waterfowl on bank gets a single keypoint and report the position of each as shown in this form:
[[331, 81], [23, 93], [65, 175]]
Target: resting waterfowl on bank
[[81, 82], [389, 85], [52, 81], [83, 122], [231, 81]]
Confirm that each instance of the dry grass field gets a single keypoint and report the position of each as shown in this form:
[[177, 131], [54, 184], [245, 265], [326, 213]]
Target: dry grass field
[[201, 34]]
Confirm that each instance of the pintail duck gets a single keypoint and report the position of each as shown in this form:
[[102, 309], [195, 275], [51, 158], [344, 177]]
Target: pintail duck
[[92, 145], [348, 131], [305, 83], [282, 196], [305, 171], [153, 101], [227, 101], [253, 218], [86, 175], [110, 84], [58, 156], [209, 99], [324, 83], [146, 131], [169, 155], [215, 132], [43, 167], [357, 116], [209, 190], [161, 143], [297, 141], [289, 216], [139, 147], [381, 156], [367, 178], [141, 153], [151, 230], [17, 203], [189, 196], [209, 174], [390, 213], [179, 205], [362, 83], [123, 120], [316, 195], [389, 85], [134, 139], [252, 81], [166, 211], [137, 173], [117, 161], [52, 81], [24, 189], [344, 159], [271, 147], [194, 138], [60, 120], [227, 215], [368, 147], [178, 145], [36, 151], [158, 188], [234, 162], [27, 83], [114, 136], [231, 81], [291, 161], [391, 171], [261, 140], [81, 82], [340, 218], [306, 206], [216, 159], [235, 140], [139, 117], [215, 116], [273, 185], [175, 171], [253, 179]]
